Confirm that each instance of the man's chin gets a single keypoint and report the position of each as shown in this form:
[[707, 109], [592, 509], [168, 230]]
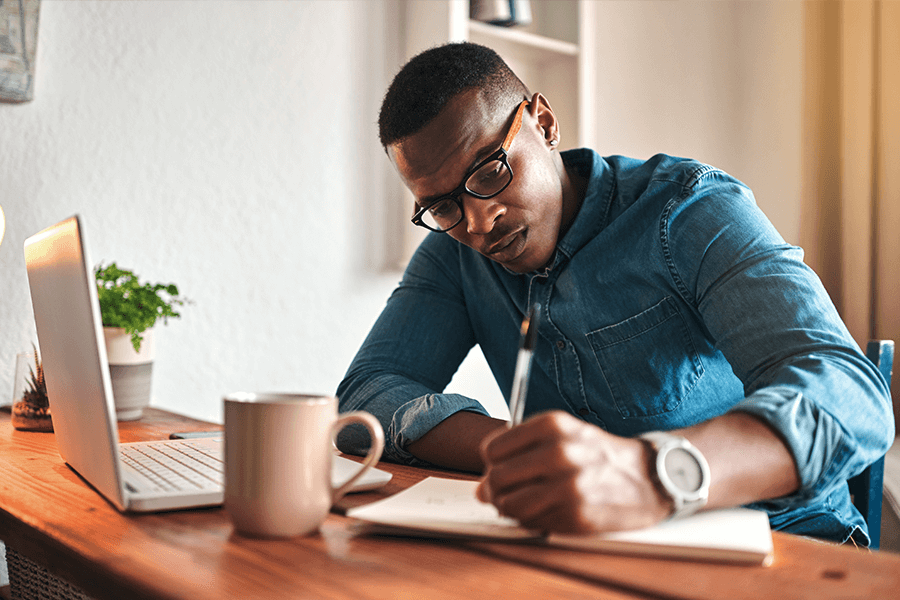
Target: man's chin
[[514, 254], [525, 264]]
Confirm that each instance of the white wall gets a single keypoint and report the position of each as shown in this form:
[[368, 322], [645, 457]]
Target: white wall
[[228, 147], [717, 81]]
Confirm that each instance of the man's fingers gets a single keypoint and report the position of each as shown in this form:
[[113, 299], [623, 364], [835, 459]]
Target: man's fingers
[[529, 503], [531, 467], [569, 477], [537, 430], [559, 518]]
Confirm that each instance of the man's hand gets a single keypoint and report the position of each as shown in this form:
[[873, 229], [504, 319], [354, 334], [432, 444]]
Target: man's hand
[[557, 473]]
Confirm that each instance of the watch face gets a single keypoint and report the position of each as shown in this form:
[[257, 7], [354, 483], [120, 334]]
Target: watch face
[[683, 469]]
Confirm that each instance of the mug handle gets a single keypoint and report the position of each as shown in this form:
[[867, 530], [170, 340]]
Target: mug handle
[[375, 448]]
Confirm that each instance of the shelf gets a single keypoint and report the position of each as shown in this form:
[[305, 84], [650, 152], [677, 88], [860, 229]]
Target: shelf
[[536, 46]]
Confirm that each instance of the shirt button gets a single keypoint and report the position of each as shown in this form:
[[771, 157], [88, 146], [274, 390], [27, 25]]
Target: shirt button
[[561, 344], [583, 412]]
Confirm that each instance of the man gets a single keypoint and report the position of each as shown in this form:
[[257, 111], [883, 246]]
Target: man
[[668, 304]]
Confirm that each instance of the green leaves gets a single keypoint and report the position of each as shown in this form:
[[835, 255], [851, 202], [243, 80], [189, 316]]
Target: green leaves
[[126, 303], [36, 394]]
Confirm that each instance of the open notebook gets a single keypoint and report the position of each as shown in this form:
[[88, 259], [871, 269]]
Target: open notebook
[[438, 507]]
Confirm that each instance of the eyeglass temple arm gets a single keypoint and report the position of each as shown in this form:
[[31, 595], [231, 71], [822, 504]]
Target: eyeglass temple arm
[[516, 126]]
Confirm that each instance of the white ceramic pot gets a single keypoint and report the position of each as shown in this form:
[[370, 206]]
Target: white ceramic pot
[[131, 372]]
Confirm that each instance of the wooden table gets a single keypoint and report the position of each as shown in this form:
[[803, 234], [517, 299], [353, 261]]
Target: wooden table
[[49, 515]]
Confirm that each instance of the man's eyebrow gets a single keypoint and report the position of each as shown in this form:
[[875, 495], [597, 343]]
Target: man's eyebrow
[[483, 152]]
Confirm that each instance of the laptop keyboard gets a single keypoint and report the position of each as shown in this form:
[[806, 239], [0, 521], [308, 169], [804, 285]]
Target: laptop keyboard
[[183, 465]]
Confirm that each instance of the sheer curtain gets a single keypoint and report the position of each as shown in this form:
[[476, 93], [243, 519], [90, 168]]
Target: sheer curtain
[[851, 162]]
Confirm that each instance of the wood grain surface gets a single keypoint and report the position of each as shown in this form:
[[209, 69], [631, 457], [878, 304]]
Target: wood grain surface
[[49, 514]]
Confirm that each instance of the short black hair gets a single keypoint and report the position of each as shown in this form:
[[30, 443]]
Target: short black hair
[[424, 86]]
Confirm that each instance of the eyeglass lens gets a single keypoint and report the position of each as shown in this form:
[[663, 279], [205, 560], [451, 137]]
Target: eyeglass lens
[[489, 180]]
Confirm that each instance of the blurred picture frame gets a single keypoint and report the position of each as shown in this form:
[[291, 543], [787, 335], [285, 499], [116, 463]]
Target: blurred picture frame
[[18, 47]]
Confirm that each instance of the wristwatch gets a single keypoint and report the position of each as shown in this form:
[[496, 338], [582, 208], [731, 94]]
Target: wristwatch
[[682, 471]]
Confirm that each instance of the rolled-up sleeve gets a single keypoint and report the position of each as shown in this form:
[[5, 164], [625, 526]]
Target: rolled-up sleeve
[[825, 451], [769, 314], [410, 355]]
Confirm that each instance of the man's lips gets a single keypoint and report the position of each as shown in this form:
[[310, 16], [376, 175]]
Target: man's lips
[[502, 243], [506, 248]]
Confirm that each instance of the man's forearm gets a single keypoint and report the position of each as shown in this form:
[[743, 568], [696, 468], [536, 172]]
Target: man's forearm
[[454, 442], [748, 461]]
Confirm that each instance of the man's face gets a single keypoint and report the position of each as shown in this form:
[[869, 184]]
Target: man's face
[[517, 228]]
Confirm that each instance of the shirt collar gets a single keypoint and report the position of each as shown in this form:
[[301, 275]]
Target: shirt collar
[[594, 211]]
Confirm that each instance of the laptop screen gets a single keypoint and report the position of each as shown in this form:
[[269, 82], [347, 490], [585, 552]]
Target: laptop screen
[[70, 336]]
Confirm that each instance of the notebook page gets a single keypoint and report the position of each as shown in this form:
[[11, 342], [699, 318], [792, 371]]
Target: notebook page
[[439, 505], [447, 507]]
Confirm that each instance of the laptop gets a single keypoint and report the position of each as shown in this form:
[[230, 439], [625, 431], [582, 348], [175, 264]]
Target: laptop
[[137, 476]]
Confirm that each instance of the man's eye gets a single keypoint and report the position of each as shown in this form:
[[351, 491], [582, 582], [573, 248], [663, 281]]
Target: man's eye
[[441, 208], [489, 173]]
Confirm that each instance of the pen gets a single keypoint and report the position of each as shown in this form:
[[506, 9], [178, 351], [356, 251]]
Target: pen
[[523, 365]]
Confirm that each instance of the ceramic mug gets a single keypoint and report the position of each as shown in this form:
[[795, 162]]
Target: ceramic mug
[[278, 453]]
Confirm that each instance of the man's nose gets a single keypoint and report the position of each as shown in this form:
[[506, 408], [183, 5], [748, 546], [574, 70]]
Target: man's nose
[[481, 215]]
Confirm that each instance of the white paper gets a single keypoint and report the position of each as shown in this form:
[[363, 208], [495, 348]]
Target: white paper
[[439, 506]]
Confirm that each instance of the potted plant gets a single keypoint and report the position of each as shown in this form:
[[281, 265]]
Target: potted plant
[[129, 310], [31, 412]]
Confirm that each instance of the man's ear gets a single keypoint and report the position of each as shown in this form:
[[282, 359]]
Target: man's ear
[[542, 111]]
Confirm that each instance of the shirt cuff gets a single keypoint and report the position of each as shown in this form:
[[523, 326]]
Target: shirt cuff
[[417, 417], [821, 448]]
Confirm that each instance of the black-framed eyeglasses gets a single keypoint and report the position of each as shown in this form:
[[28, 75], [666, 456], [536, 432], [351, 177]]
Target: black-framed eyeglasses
[[487, 179]]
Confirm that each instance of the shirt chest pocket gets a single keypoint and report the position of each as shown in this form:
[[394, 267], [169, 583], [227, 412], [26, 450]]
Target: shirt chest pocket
[[648, 360]]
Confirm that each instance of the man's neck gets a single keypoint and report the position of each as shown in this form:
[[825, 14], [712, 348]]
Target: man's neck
[[574, 187]]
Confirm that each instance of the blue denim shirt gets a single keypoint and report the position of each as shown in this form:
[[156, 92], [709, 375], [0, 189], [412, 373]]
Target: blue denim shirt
[[671, 300]]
